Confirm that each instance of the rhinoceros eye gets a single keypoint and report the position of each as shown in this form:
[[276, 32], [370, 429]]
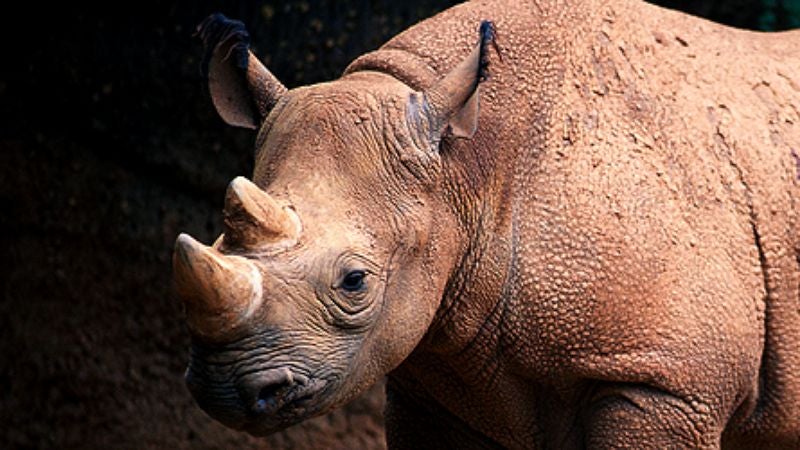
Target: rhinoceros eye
[[353, 281]]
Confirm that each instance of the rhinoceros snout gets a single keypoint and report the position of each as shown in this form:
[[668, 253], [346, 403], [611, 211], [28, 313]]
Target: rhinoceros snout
[[258, 403]]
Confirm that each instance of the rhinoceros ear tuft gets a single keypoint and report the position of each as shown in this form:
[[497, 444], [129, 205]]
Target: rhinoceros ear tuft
[[452, 103], [242, 89]]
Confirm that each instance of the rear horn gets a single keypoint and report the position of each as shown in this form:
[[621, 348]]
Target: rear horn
[[252, 218]]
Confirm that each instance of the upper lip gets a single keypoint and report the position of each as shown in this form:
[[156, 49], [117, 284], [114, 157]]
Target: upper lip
[[302, 391], [290, 402]]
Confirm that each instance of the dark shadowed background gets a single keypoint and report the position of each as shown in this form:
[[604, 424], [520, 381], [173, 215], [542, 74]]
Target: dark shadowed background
[[109, 147]]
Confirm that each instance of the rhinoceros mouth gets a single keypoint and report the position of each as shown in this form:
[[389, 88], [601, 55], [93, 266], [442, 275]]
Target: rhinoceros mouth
[[259, 402], [278, 408], [285, 399]]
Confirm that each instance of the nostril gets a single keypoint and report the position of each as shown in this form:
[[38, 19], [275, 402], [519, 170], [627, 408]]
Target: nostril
[[268, 390], [268, 396]]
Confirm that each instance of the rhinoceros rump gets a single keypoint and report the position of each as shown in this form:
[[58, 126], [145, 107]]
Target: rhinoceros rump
[[581, 231]]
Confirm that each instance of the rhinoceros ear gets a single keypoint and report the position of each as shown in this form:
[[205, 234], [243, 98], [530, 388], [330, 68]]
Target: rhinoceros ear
[[452, 102], [242, 89]]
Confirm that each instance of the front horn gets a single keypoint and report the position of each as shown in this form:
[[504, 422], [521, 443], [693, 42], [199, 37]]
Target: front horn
[[220, 292]]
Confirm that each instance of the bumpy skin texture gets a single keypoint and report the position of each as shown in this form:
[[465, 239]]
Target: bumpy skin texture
[[629, 269], [611, 261]]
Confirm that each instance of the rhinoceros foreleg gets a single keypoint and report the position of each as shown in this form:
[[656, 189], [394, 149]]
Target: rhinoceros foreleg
[[643, 417]]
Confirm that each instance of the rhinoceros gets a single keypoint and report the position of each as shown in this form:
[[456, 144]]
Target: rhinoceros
[[549, 224]]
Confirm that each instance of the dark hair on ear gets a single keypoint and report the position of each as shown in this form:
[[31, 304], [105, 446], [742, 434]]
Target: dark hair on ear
[[217, 29], [488, 36]]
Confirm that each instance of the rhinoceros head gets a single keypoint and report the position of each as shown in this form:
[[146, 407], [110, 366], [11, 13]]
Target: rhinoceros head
[[334, 259]]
